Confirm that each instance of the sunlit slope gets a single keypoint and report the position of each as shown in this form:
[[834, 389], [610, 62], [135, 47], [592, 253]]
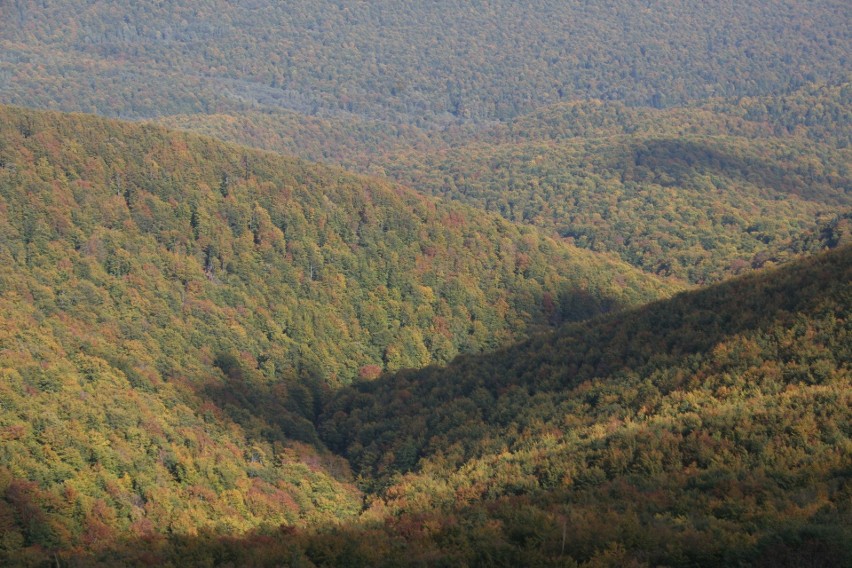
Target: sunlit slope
[[173, 311]]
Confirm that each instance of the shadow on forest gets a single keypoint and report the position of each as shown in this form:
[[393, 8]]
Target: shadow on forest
[[634, 342], [667, 332], [677, 162], [274, 412], [289, 408], [526, 537], [403, 413]]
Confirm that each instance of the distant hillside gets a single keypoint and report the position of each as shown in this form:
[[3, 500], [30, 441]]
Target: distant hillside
[[174, 310], [819, 112], [424, 63], [699, 192], [353, 143]]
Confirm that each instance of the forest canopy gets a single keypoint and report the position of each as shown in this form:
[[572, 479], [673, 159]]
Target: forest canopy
[[555, 283], [424, 63], [174, 312]]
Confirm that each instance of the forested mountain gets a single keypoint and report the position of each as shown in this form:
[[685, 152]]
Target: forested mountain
[[174, 310], [816, 113], [699, 192], [409, 90], [428, 63], [488, 346], [711, 429]]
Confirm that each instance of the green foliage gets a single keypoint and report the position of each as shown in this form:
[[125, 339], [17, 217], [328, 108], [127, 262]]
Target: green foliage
[[297, 269], [701, 192], [189, 330], [712, 429]]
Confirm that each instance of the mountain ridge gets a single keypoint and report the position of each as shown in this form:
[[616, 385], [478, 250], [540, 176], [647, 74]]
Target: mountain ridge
[[700, 192], [176, 309]]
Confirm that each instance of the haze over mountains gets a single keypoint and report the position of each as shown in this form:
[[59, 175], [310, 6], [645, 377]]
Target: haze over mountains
[[410, 61], [571, 287], [699, 192]]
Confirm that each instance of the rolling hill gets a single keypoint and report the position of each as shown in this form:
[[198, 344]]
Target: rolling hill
[[683, 137], [709, 429], [175, 310], [570, 285], [699, 192]]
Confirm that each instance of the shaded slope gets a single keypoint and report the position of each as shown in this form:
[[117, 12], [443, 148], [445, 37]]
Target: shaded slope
[[668, 342], [703, 430]]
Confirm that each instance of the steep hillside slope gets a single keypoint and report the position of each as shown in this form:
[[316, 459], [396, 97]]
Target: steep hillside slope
[[712, 429], [173, 310]]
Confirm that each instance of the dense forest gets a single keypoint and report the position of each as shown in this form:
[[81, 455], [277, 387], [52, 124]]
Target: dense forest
[[487, 283], [700, 192], [175, 310], [818, 112], [425, 63], [692, 140], [711, 429], [353, 143], [693, 206]]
